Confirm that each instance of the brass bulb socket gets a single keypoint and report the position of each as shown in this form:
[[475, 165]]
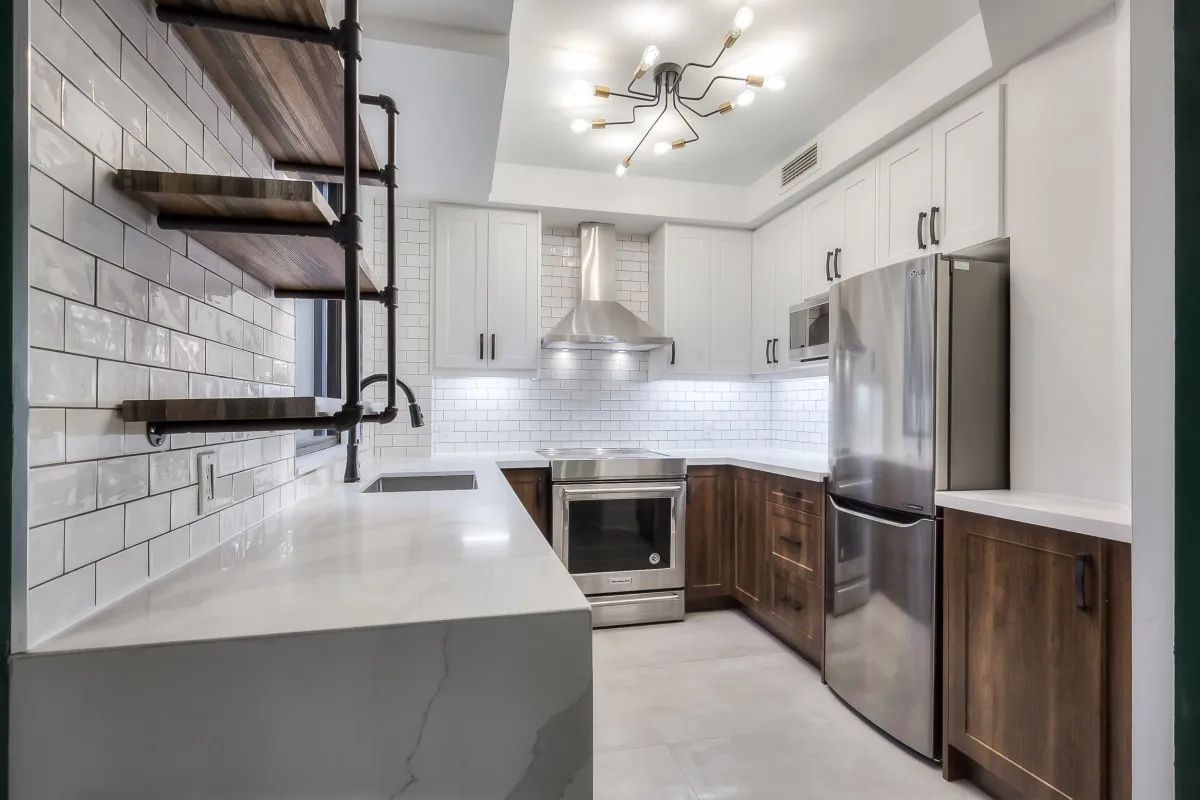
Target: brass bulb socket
[[678, 144], [726, 107], [640, 72], [628, 160], [755, 80], [730, 38], [600, 90], [597, 124]]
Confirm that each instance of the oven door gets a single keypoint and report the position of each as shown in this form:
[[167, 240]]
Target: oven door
[[621, 537]]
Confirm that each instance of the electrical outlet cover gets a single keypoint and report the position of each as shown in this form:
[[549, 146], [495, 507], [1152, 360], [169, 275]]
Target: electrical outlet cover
[[206, 481]]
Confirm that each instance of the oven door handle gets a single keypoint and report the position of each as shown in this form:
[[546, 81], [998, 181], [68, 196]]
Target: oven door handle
[[642, 490]]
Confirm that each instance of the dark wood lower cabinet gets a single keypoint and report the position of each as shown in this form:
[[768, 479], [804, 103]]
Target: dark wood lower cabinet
[[750, 563], [708, 546], [532, 486], [1036, 658]]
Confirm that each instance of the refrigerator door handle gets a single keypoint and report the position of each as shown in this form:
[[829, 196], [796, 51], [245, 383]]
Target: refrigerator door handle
[[829, 499]]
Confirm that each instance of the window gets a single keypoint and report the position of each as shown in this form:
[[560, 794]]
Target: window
[[319, 350]]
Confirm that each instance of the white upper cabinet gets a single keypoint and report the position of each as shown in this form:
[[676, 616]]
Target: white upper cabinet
[[764, 322], [967, 195], [824, 223], [789, 279], [486, 289], [905, 198], [700, 284], [858, 193]]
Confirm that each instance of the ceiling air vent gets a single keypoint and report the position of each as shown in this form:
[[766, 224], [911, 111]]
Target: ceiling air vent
[[799, 166]]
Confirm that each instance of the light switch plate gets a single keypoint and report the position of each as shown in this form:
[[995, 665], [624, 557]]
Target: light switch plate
[[206, 481]]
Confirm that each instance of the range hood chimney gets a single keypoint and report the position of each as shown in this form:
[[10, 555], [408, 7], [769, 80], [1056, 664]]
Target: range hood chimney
[[599, 322]]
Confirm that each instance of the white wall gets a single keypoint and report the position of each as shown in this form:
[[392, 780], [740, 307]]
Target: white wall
[[1070, 371]]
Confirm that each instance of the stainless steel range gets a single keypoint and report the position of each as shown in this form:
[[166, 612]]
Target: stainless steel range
[[618, 526]]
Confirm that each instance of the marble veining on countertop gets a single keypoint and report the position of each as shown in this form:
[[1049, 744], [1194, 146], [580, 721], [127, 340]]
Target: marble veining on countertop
[[1105, 520], [342, 559]]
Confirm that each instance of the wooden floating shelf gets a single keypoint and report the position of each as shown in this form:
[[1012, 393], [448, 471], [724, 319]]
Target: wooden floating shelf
[[279, 261], [235, 408], [289, 93]]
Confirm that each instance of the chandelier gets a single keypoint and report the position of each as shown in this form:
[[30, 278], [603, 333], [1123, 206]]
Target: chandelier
[[667, 78]]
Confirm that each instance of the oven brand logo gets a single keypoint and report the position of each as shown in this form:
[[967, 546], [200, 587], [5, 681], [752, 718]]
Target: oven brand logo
[[655, 558]]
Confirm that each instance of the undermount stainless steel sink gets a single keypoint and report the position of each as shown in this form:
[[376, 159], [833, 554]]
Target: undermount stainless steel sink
[[438, 482]]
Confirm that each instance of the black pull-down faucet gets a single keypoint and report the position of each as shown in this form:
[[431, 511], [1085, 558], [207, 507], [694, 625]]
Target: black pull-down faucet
[[415, 416]]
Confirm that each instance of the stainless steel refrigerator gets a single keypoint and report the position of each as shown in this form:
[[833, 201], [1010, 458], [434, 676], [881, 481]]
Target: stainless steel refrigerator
[[918, 403]]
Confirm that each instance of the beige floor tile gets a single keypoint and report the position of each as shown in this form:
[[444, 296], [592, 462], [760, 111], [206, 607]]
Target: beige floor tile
[[648, 773], [715, 634]]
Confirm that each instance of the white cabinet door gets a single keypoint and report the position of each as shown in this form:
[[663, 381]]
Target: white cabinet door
[[823, 230], [789, 291], [460, 287], [514, 244], [905, 198], [763, 302], [731, 280], [858, 211], [689, 300], [967, 202]]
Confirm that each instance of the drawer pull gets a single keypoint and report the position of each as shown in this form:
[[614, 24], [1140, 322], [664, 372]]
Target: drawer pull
[[790, 540], [796, 605]]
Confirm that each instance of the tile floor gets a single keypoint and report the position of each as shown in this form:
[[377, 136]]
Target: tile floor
[[714, 708]]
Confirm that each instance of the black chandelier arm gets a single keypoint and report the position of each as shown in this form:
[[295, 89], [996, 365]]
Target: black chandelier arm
[[647, 133], [716, 110], [701, 66], [695, 136], [703, 94], [633, 115], [642, 95], [633, 96]]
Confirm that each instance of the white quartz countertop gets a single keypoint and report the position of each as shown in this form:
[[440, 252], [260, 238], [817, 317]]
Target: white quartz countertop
[[792, 463], [1088, 517], [342, 559]]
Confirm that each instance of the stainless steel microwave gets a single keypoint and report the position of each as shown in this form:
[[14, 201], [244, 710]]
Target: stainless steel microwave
[[808, 330]]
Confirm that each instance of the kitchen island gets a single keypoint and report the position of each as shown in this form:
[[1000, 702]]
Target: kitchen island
[[354, 645]]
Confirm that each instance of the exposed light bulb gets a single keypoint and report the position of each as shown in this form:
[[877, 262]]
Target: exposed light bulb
[[623, 167], [661, 148], [744, 99], [581, 89], [775, 83], [649, 56], [580, 125], [743, 19]]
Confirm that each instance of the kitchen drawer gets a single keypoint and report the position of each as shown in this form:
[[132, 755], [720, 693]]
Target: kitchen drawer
[[806, 496], [796, 605], [795, 540]]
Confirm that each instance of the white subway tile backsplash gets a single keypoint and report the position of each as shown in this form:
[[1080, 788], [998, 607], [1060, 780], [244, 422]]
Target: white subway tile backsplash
[[165, 143], [167, 384], [45, 558], [120, 574], [187, 276], [92, 230], [90, 126], [122, 291], [59, 268], [46, 320], [93, 536], [205, 534], [167, 63], [94, 332], [47, 436], [45, 203], [169, 551], [61, 379], [129, 17], [118, 382], [151, 88], [187, 352], [94, 433], [96, 29], [172, 470], [56, 604], [120, 480], [147, 344], [147, 257], [168, 307], [147, 518], [45, 86]]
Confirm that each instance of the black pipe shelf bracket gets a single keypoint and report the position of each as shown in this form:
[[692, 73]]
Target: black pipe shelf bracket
[[347, 232]]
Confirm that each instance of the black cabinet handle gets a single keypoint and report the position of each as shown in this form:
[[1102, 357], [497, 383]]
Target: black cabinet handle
[[481, 347], [921, 231], [795, 604], [828, 256], [689, 488], [933, 215], [767, 354], [837, 256], [1081, 565], [538, 496], [672, 353], [493, 347], [774, 351], [790, 540]]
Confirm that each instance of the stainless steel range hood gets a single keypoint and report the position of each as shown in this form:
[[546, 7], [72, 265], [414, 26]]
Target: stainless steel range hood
[[599, 322]]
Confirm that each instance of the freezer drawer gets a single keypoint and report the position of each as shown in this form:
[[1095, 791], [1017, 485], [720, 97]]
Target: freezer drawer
[[881, 624]]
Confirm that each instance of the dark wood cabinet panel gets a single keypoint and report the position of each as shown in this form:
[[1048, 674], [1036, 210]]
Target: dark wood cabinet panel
[[709, 541], [798, 612], [1026, 650], [795, 542], [806, 496], [750, 557], [532, 487]]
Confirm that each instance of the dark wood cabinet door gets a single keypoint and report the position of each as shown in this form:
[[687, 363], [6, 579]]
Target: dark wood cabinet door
[[532, 487], [795, 541], [1025, 664], [750, 563], [709, 538]]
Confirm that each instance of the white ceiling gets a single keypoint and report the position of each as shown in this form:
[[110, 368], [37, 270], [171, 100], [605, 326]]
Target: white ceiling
[[485, 16], [833, 53]]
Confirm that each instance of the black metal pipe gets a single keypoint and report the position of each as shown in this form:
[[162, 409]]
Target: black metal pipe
[[339, 421], [255, 27], [327, 294], [372, 176], [350, 45], [266, 227]]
